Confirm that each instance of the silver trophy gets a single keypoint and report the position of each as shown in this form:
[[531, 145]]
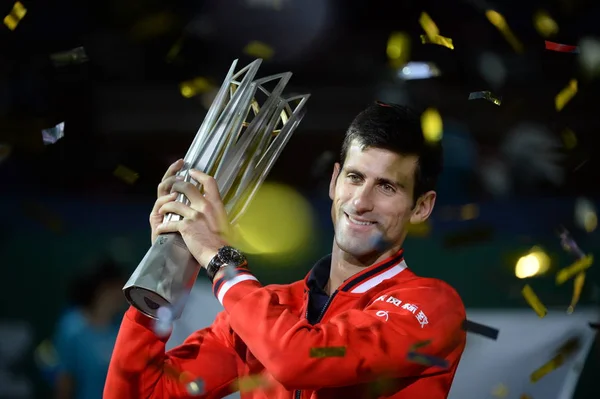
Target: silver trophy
[[237, 143]]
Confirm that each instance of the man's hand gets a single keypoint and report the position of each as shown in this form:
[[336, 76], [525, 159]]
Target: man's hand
[[204, 226], [164, 195]]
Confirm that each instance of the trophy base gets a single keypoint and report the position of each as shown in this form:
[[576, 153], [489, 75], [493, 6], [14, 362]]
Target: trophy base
[[146, 301]]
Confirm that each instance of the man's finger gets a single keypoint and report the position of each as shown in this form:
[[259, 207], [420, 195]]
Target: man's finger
[[168, 227], [178, 208], [174, 168], [211, 190], [161, 201], [192, 193], [165, 187]]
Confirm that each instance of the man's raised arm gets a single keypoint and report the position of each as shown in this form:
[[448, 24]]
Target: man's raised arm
[[140, 368]]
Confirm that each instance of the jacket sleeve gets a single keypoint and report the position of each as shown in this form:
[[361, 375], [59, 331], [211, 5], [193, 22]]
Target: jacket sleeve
[[140, 368], [377, 339]]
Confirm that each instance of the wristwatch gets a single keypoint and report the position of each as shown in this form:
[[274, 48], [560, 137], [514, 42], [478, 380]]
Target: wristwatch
[[226, 256]]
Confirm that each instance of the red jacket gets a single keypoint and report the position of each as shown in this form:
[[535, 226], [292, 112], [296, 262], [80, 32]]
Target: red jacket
[[371, 326]]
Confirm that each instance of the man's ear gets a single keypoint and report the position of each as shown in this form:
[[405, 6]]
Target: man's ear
[[336, 172], [423, 207]]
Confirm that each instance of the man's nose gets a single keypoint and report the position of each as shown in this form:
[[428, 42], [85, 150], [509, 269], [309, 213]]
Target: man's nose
[[362, 200]]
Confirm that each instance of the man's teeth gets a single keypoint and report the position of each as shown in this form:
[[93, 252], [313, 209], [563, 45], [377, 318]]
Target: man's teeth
[[359, 222]]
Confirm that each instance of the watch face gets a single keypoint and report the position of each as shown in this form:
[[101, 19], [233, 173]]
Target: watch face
[[231, 255]]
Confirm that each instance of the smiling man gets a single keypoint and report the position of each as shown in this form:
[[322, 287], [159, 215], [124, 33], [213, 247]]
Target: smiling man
[[360, 325]]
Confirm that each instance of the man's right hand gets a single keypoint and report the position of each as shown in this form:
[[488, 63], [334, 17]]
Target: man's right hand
[[164, 195]]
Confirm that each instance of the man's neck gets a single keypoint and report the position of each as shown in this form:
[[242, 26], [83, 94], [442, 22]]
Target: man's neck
[[344, 266]]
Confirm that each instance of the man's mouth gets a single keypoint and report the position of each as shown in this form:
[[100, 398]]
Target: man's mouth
[[359, 221]]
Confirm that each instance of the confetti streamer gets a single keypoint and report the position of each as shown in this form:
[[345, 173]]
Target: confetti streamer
[[500, 23], [428, 25], [574, 269], [485, 95], [427, 360], [330, 351], [250, 383], [566, 95], [500, 391], [126, 174], [566, 350], [259, 50], [578, 284], [533, 301], [544, 24], [69, 57], [195, 86], [561, 48], [439, 40], [52, 135], [418, 70], [432, 125], [15, 16], [398, 49], [480, 329]]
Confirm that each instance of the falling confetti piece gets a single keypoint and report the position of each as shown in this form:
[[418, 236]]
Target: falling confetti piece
[[589, 59], [561, 48], [492, 68], [480, 329], [174, 50], [69, 57], [565, 95], [418, 70], [569, 244], [574, 269], [126, 174], [485, 95], [52, 135], [585, 215], [398, 49], [544, 24], [428, 25], [250, 383], [259, 49], [15, 16], [195, 388], [500, 391], [578, 284], [569, 139], [420, 344], [439, 40], [533, 301], [427, 360], [432, 125], [195, 86], [331, 351], [565, 351], [500, 23]]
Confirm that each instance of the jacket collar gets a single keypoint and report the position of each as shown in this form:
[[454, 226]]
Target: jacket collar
[[360, 282]]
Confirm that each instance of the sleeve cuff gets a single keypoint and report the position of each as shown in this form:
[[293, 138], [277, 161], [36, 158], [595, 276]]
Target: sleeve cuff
[[230, 291]]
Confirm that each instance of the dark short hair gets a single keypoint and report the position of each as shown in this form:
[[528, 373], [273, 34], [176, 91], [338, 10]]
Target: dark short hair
[[397, 128], [85, 286]]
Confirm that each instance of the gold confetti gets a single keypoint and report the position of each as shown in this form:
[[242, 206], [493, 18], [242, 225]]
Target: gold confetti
[[500, 23], [398, 49], [469, 212], [533, 301], [127, 175], [330, 351], [419, 229], [578, 284], [432, 125], [250, 383], [259, 49], [15, 16], [569, 139], [566, 95], [174, 50], [195, 86], [437, 39], [567, 349], [500, 391], [428, 25], [544, 24], [574, 269]]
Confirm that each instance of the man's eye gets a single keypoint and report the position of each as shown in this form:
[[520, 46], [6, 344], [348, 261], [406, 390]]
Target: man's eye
[[354, 178], [388, 188]]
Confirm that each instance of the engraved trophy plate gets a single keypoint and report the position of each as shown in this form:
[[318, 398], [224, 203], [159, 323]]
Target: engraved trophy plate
[[238, 142]]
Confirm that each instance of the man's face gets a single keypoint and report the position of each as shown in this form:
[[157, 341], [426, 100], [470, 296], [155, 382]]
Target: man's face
[[373, 196]]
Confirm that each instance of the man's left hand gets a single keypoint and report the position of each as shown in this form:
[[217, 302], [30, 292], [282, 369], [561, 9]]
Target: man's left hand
[[204, 226]]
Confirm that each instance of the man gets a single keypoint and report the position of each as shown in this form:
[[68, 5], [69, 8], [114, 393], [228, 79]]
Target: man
[[351, 327]]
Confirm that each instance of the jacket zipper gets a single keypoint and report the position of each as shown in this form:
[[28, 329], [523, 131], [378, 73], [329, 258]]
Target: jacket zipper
[[298, 393]]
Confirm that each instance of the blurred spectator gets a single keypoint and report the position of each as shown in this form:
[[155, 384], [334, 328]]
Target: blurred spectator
[[87, 331]]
